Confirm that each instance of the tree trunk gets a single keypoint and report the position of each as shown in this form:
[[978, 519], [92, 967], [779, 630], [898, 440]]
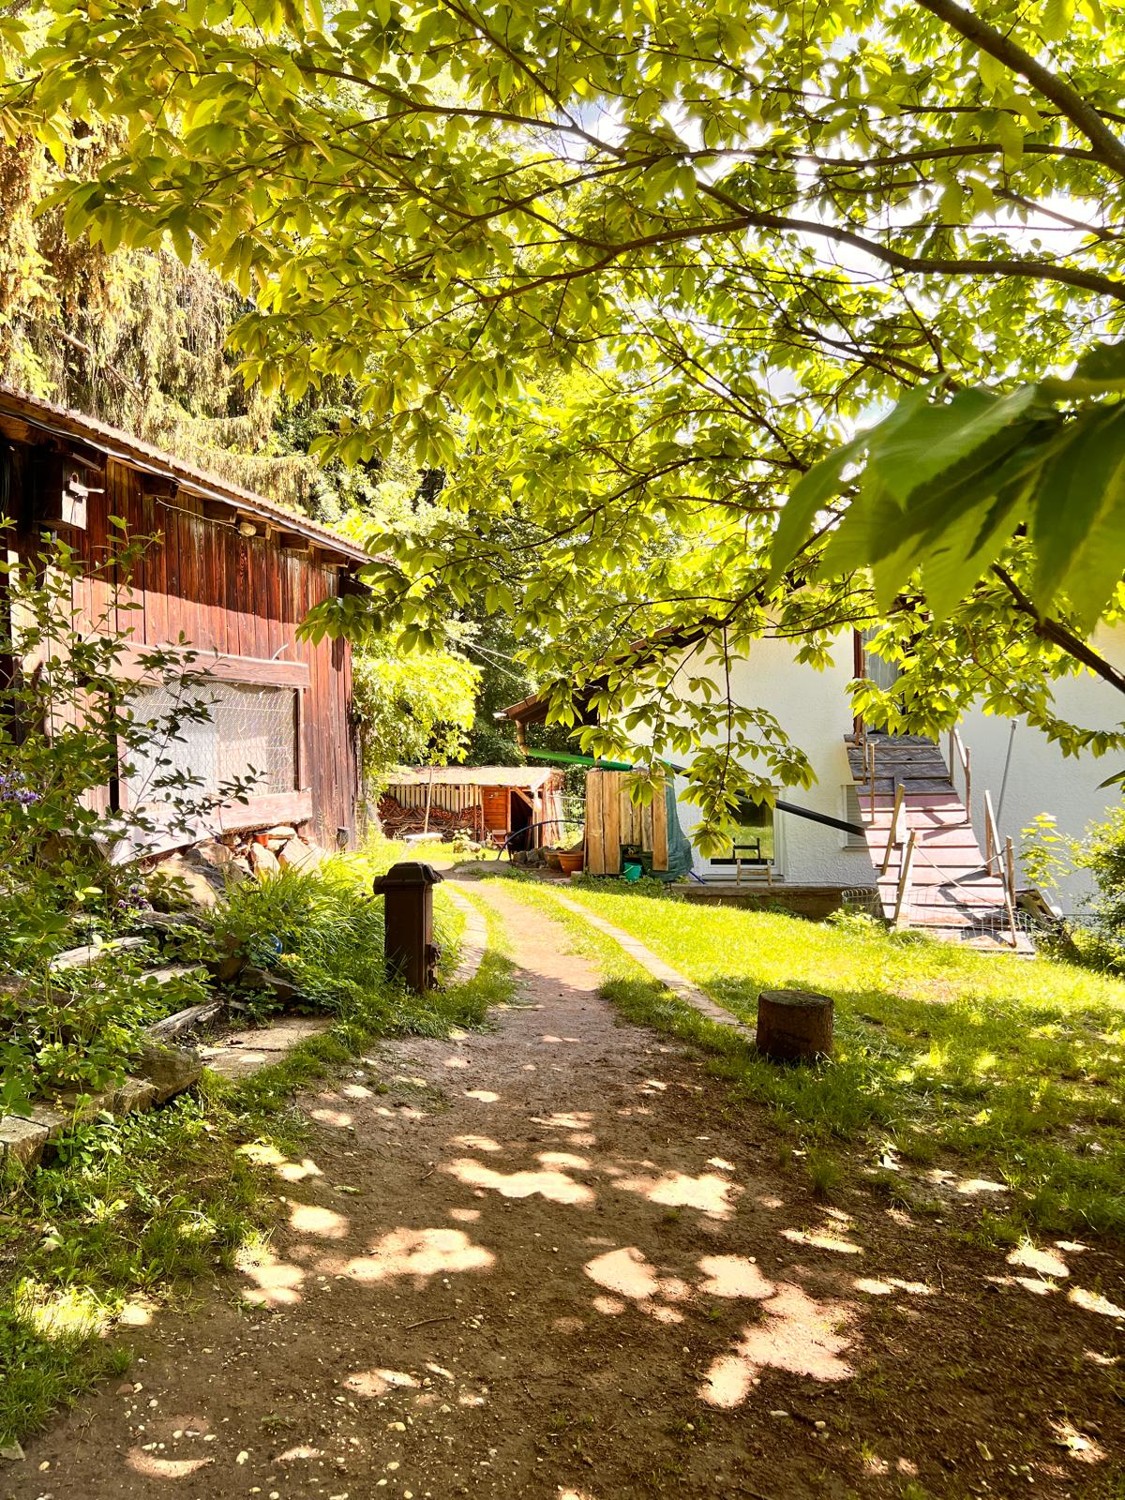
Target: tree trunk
[[794, 1025]]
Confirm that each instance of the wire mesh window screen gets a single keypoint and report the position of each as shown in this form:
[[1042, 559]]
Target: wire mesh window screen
[[224, 731]]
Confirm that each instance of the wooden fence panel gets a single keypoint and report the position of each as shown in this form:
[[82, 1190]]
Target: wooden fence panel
[[612, 822], [595, 815], [660, 830]]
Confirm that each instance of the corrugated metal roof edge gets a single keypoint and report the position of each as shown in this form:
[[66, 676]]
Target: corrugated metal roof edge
[[531, 776], [59, 421]]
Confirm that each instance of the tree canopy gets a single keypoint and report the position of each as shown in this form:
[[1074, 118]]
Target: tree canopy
[[628, 273]]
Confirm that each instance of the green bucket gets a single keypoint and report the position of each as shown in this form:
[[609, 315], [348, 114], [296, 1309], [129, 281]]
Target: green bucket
[[632, 869]]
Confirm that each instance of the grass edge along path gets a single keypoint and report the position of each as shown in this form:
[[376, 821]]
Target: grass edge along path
[[1056, 1140], [137, 1212]]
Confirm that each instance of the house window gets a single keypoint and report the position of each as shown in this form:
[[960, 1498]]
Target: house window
[[853, 813], [884, 674], [752, 838], [227, 731]]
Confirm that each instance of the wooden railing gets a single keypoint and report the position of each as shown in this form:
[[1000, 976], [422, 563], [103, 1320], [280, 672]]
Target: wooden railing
[[958, 753], [869, 767], [901, 916], [893, 839]]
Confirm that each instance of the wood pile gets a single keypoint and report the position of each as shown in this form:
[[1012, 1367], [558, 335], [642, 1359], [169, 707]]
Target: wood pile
[[397, 820]]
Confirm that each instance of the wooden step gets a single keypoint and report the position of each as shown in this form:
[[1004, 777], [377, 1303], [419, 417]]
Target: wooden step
[[955, 840], [965, 877]]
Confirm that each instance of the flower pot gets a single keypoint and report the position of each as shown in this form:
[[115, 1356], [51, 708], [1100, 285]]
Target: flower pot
[[569, 864]]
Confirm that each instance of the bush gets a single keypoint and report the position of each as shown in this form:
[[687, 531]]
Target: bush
[[67, 733], [325, 931], [1103, 854]]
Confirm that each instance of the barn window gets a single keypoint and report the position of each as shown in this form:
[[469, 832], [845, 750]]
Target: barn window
[[752, 842], [227, 731]]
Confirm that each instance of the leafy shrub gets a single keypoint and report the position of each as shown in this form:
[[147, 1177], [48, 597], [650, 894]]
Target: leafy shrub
[[325, 930], [1103, 854], [68, 732]]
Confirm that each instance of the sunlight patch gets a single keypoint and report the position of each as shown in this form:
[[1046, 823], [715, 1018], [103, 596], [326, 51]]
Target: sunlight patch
[[1046, 1262], [372, 1383], [733, 1276], [1094, 1302], [556, 1187], [293, 1171], [67, 1313], [325, 1223], [708, 1193], [420, 1253], [798, 1335], [277, 1282], [821, 1242], [1078, 1444], [626, 1272]]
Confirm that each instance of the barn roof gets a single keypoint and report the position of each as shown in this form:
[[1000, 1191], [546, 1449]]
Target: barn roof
[[530, 778], [59, 422]]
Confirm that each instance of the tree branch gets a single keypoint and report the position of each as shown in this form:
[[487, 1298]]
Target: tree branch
[[1109, 149], [1059, 634]]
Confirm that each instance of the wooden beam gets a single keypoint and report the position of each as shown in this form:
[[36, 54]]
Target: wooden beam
[[261, 812], [254, 670]]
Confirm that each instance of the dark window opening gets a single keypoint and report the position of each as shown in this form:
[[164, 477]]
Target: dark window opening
[[752, 841]]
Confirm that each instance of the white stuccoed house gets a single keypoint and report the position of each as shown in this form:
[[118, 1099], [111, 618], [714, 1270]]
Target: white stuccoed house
[[934, 829]]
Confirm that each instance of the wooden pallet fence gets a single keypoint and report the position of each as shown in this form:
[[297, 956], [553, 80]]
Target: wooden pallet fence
[[613, 819]]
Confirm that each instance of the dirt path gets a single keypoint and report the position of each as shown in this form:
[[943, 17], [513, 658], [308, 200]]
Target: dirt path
[[554, 1260]]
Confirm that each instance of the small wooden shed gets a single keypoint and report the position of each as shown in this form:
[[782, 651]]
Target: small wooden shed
[[493, 802]]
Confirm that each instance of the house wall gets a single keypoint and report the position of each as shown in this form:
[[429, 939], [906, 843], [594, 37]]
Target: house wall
[[1040, 778], [241, 597], [813, 707], [814, 710]]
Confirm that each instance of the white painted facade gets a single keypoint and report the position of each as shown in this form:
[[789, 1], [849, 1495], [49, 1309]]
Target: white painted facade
[[814, 709]]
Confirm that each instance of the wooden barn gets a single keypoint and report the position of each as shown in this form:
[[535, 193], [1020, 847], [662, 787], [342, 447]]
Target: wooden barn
[[493, 802], [235, 573]]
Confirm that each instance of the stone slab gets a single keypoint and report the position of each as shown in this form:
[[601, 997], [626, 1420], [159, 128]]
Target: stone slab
[[135, 1094], [89, 953], [21, 1141], [169, 973], [170, 1070], [244, 1053], [184, 1020]]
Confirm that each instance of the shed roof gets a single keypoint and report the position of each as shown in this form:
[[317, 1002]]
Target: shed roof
[[528, 777], [58, 421]]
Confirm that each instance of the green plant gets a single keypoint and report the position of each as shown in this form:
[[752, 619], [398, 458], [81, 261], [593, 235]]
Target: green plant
[[825, 1173], [69, 731], [324, 930], [1047, 855]]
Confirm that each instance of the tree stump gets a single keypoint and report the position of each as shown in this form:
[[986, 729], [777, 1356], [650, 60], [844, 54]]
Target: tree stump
[[794, 1025]]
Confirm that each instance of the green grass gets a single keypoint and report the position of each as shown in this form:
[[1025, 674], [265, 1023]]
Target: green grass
[[150, 1204], [1011, 1068]]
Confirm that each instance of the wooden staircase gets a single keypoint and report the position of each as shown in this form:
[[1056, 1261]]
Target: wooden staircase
[[932, 873]]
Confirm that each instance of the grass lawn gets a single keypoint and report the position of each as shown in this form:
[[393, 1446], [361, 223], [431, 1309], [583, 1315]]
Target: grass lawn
[[1012, 1067]]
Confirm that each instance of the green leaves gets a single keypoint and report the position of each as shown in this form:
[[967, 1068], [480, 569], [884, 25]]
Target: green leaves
[[945, 484]]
